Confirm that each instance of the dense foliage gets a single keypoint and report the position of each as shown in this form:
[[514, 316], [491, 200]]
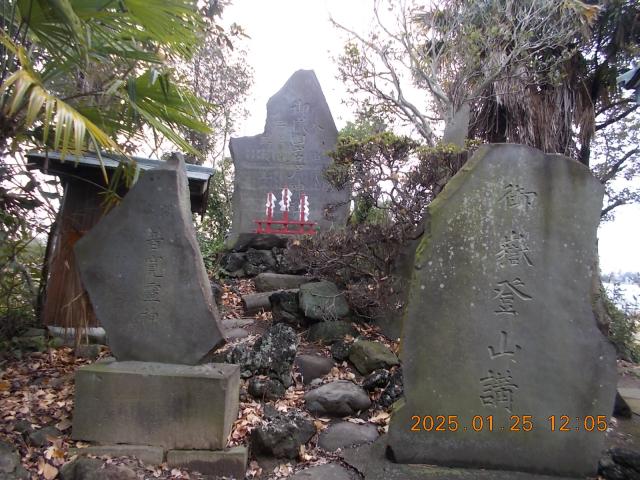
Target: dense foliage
[[392, 179], [98, 75], [539, 72], [625, 324], [216, 222]]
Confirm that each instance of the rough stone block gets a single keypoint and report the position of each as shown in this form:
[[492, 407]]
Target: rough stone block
[[329, 332], [230, 463], [368, 356], [171, 406], [145, 453], [346, 434], [323, 301]]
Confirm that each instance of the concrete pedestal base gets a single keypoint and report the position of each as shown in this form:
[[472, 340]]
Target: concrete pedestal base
[[170, 406]]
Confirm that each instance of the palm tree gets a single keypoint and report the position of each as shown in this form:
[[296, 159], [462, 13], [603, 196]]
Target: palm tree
[[93, 74], [79, 75]]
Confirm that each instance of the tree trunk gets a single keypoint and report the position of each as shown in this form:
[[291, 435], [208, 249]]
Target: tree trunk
[[456, 130]]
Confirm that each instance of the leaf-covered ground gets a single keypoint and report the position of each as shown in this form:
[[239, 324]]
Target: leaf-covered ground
[[37, 391]]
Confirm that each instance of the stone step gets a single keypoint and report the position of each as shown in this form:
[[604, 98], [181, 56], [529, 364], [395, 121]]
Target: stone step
[[145, 453], [230, 463], [372, 463]]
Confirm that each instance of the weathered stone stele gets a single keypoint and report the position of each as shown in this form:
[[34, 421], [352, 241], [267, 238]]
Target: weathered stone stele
[[291, 152], [499, 323], [143, 270]]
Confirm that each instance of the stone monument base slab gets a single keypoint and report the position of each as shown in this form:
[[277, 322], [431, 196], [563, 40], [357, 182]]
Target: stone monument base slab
[[222, 463], [370, 460], [165, 405], [145, 453]]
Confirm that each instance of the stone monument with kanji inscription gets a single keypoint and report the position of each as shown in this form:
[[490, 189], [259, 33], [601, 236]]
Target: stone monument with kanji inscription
[[504, 366], [142, 268], [291, 153]]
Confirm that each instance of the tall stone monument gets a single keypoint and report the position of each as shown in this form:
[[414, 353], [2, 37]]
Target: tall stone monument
[[143, 270], [504, 366], [291, 152], [146, 280]]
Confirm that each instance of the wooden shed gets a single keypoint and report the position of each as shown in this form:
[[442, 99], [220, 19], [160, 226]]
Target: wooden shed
[[65, 303]]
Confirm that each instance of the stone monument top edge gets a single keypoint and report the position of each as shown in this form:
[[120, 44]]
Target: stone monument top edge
[[504, 151], [302, 82]]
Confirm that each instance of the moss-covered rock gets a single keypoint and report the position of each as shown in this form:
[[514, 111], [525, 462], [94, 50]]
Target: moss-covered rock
[[323, 301], [368, 356]]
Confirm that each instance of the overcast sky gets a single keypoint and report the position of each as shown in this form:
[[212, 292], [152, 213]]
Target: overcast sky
[[288, 35]]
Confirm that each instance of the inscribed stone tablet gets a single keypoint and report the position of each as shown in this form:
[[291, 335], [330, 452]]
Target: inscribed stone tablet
[[143, 270], [500, 347], [291, 152]]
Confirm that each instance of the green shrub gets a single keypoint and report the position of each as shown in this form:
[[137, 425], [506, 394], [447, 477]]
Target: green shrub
[[216, 223], [624, 326], [21, 260]]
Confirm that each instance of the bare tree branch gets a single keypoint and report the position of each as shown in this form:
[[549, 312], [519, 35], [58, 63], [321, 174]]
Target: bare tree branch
[[617, 166], [618, 117], [616, 203]]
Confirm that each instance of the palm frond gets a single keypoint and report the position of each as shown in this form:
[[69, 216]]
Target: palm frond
[[120, 25], [56, 26], [72, 130], [79, 34], [166, 107]]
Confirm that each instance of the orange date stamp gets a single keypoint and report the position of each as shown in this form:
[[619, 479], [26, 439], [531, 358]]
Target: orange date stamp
[[517, 423]]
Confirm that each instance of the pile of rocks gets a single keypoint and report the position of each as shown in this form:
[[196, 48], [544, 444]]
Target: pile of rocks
[[319, 312], [298, 300], [254, 254], [283, 434], [268, 365]]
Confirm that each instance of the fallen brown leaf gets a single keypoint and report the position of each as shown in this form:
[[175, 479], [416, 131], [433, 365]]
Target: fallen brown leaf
[[49, 471]]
